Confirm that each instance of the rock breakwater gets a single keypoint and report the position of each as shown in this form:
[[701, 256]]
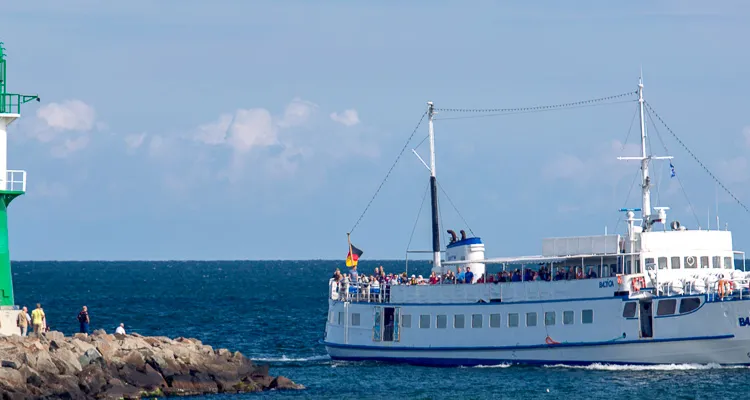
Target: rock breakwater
[[104, 366]]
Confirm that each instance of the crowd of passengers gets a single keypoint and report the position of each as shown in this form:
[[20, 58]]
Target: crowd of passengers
[[379, 278]]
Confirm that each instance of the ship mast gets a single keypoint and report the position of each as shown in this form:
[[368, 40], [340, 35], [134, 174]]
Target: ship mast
[[436, 264], [645, 158]]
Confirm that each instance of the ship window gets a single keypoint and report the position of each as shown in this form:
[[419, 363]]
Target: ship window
[[341, 318], [568, 317], [331, 318], [494, 320], [662, 262], [424, 321], [513, 320], [587, 316], [666, 307], [476, 321], [629, 310], [650, 261], [690, 262], [355, 319], [441, 321], [637, 266], [530, 319], [458, 321], [549, 318], [704, 262], [406, 321], [728, 263], [716, 262], [689, 304], [675, 262]]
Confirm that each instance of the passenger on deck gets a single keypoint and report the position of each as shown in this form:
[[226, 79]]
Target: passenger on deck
[[516, 276], [461, 277], [571, 274], [528, 274], [591, 274], [469, 276], [354, 274], [433, 278], [579, 273]]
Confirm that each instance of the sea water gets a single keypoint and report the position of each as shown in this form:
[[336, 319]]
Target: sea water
[[275, 311]]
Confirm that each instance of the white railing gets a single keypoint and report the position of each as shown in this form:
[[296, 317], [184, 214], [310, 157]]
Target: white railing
[[15, 180]]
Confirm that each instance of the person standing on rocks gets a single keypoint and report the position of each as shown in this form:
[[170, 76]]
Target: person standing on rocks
[[37, 319], [22, 321], [83, 319]]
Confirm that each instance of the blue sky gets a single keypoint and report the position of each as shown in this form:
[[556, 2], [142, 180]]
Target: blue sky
[[260, 130]]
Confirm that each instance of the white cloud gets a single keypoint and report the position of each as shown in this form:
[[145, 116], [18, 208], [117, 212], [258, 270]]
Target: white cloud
[[135, 141], [347, 117], [297, 113], [69, 146], [70, 115], [252, 128]]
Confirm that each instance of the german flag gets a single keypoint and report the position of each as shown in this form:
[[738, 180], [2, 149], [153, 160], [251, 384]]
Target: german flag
[[352, 258]]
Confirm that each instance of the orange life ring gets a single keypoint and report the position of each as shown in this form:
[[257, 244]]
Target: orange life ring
[[638, 283], [549, 340], [619, 279]]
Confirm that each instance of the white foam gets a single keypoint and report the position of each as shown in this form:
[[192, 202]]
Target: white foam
[[657, 367], [284, 358]]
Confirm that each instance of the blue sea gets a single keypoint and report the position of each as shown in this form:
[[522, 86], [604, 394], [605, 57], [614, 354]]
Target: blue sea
[[275, 311]]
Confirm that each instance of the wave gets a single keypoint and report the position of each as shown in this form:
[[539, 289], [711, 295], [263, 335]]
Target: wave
[[657, 367], [284, 358]]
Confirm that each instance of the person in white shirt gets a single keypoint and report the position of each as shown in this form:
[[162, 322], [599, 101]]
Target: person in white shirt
[[120, 329]]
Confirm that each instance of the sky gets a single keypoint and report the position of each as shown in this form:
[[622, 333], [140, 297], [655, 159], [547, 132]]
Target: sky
[[190, 130]]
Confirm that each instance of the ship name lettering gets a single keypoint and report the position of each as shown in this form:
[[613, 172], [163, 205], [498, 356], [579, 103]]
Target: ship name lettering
[[606, 284], [745, 321]]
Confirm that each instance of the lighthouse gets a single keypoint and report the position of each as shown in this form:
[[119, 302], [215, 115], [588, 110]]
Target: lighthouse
[[12, 185]]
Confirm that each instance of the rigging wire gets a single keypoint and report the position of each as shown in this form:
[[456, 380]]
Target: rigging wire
[[533, 108], [697, 160], [679, 181], [630, 129], [455, 208], [401, 153], [500, 114], [627, 198], [419, 213]]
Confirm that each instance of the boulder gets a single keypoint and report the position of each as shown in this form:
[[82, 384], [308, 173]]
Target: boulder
[[147, 379], [54, 335], [90, 356], [66, 362], [282, 382], [92, 379]]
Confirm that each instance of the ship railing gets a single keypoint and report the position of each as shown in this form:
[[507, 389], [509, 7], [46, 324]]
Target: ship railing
[[15, 181], [359, 292], [732, 289]]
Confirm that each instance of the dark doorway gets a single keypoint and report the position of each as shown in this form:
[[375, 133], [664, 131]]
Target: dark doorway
[[647, 319], [388, 319]]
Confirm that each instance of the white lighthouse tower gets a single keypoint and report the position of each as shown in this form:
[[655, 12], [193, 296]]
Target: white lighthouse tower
[[12, 185]]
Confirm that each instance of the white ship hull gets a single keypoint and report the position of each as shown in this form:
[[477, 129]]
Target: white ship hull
[[724, 350]]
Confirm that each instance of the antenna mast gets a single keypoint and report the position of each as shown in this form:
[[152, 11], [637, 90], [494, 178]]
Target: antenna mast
[[645, 158], [436, 264]]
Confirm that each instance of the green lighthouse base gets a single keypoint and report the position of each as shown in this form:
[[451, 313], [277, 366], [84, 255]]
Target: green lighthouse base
[[8, 309]]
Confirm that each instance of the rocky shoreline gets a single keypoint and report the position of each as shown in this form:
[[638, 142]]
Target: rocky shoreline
[[104, 366]]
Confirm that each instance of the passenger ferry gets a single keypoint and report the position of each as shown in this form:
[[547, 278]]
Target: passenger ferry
[[663, 294]]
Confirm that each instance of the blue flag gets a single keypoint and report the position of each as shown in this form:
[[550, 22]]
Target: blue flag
[[671, 167]]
